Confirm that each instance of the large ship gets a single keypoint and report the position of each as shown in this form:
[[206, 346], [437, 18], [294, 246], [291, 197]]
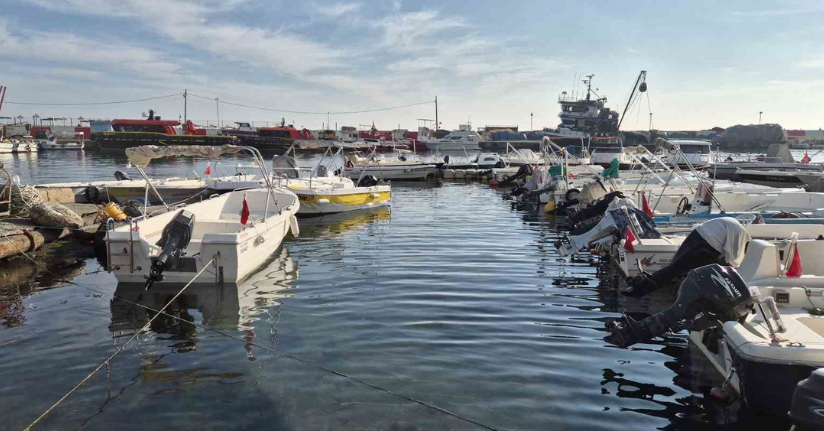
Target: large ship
[[587, 124], [127, 133]]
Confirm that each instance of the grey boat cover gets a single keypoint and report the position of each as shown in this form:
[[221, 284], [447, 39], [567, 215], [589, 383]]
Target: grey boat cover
[[142, 155], [779, 152], [285, 166]]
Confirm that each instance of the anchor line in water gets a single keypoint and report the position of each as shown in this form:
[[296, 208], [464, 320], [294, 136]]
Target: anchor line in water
[[116, 352], [234, 337]]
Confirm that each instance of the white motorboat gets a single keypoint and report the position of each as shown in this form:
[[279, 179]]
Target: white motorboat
[[398, 168], [654, 254], [762, 340], [687, 152], [171, 190], [15, 145], [764, 355], [234, 233], [463, 139]]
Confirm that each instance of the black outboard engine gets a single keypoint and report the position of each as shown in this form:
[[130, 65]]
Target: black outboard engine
[[121, 176], [709, 294], [176, 236], [807, 410], [368, 181], [523, 171], [595, 210]]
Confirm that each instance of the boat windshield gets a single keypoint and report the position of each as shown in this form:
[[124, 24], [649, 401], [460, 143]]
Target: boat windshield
[[607, 150], [695, 149]]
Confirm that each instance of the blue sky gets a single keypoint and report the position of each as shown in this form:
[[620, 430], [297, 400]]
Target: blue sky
[[709, 63]]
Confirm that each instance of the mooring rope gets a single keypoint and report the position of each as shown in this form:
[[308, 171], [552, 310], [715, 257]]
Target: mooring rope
[[242, 340], [120, 349]]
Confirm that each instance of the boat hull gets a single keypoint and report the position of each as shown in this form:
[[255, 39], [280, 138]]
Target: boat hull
[[330, 202], [117, 142], [235, 251], [394, 172]]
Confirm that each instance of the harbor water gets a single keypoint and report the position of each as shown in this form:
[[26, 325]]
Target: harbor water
[[449, 310]]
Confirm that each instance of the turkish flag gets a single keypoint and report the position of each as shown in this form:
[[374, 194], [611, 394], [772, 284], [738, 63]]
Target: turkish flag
[[645, 205], [795, 269], [630, 239], [244, 212]]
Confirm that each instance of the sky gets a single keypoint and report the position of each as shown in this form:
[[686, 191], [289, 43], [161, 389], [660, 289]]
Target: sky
[[708, 63]]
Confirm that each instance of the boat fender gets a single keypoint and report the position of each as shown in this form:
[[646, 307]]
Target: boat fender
[[121, 176], [493, 183], [293, 226], [368, 181], [92, 194], [549, 207]]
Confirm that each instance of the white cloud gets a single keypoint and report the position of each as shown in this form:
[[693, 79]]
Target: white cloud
[[73, 49], [335, 10]]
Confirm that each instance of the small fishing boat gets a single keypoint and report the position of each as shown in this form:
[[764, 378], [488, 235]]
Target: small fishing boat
[[234, 233], [62, 143]]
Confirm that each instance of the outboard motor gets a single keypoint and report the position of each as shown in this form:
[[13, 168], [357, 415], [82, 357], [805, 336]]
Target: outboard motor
[[368, 181], [523, 171], [121, 176], [176, 236], [596, 209], [710, 294], [807, 410], [615, 221]]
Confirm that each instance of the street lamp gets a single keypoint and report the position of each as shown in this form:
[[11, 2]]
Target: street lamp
[[530, 121], [759, 116]]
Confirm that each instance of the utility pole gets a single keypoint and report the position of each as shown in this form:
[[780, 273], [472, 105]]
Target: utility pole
[[185, 105], [217, 108], [437, 125], [759, 117]]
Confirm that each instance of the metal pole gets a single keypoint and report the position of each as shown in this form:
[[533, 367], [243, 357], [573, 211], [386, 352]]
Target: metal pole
[[759, 117], [437, 124], [185, 106], [217, 108], [530, 121]]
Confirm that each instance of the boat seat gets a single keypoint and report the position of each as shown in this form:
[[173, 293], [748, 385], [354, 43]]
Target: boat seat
[[760, 261]]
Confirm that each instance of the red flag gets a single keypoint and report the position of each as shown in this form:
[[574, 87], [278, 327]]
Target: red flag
[[208, 169], [244, 213], [795, 270], [645, 204], [630, 239]]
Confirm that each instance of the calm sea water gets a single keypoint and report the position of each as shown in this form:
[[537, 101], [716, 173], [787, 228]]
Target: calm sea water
[[450, 297]]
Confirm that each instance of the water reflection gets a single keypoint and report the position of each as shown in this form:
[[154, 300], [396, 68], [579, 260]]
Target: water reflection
[[19, 278], [224, 306]]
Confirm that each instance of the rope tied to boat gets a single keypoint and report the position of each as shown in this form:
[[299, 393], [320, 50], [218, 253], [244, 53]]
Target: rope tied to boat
[[120, 349]]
